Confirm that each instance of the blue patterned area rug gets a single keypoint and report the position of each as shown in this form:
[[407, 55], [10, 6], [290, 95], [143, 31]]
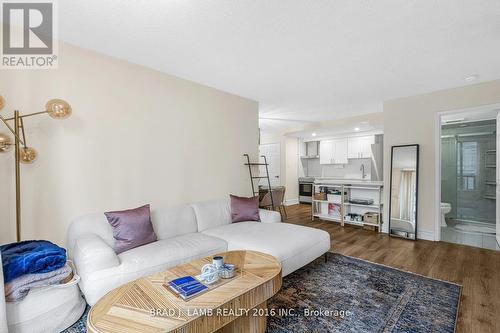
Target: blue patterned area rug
[[351, 295]]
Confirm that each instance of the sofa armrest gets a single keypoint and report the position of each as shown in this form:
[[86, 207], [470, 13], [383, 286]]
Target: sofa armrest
[[91, 254], [269, 216]]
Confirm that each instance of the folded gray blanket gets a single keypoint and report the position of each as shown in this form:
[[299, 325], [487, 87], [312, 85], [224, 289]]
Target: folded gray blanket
[[18, 288]]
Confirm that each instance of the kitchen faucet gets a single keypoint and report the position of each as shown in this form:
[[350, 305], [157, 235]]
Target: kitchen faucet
[[362, 169]]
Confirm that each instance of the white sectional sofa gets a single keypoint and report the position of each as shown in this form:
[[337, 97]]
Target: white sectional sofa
[[185, 233]]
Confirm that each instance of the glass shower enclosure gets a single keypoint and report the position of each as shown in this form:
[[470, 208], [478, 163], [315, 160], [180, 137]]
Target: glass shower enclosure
[[468, 174]]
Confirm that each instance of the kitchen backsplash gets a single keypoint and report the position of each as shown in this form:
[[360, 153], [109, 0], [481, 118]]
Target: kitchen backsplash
[[311, 167]]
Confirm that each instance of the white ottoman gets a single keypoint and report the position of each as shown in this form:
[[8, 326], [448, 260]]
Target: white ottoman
[[47, 309]]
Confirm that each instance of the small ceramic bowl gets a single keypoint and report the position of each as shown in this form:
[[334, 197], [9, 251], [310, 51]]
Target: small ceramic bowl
[[227, 271]]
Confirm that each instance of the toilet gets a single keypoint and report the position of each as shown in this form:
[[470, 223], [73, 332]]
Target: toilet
[[445, 209]]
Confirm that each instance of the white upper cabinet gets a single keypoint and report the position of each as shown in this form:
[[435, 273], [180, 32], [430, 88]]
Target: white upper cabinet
[[340, 151], [360, 147], [353, 145], [325, 152], [333, 151]]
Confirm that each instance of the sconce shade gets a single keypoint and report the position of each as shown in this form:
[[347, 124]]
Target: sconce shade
[[27, 155], [58, 109], [2, 102], [5, 143]]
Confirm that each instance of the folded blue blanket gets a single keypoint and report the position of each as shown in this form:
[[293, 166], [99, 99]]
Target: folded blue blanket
[[31, 257]]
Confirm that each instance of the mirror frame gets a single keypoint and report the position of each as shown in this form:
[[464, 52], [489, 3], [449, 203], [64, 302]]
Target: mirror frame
[[417, 146]]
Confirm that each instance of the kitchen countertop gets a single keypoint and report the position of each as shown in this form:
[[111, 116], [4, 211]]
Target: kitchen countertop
[[327, 180]]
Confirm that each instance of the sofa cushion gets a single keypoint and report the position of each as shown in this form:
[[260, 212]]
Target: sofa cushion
[[211, 214], [244, 209], [173, 221], [293, 245], [131, 228], [148, 259], [171, 252]]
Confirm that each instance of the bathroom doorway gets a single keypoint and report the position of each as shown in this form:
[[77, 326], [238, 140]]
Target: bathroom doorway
[[468, 146]]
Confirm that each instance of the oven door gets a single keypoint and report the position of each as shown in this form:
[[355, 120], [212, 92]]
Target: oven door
[[305, 192], [306, 189]]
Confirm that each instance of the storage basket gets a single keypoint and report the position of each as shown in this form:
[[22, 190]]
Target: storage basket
[[320, 196], [371, 217]]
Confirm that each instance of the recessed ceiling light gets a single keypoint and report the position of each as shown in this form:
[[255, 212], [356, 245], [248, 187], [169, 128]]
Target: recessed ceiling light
[[356, 129], [471, 78], [314, 134]]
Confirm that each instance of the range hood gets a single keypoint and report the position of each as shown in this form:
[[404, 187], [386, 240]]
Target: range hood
[[312, 150]]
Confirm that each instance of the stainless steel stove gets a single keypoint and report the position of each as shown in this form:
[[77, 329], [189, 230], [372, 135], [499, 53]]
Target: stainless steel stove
[[306, 189]]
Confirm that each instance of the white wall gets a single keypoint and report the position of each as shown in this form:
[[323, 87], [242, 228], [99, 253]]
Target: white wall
[[413, 120], [136, 136]]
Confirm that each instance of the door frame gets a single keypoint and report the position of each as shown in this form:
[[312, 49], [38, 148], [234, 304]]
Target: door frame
[[437, 157]]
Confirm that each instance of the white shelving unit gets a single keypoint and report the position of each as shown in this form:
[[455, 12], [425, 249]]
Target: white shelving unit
[[344, 193]]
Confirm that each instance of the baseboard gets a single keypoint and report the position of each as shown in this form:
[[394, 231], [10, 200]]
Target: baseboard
[[425, 234], [289, 202]]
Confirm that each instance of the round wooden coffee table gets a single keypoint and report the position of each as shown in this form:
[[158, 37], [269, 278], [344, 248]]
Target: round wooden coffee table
[[236, 305]]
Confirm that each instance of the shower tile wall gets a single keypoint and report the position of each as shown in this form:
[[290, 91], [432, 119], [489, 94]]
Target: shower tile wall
[[468, 170], [449, 174]]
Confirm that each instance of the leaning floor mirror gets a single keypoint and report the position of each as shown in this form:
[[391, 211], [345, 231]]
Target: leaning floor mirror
[[404, 191]]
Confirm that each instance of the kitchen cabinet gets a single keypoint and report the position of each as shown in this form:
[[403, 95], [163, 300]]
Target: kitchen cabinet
[[360, 147], [340, 151], [333, 151], [325, 151]]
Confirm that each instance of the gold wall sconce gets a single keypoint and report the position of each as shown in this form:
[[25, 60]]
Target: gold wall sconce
[[55, 108]]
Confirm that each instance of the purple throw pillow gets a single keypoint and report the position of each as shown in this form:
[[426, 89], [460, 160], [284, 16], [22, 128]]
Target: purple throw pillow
[[131, 228], [244, 209]]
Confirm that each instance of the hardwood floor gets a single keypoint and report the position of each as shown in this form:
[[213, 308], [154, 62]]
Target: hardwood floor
[[477, 270]]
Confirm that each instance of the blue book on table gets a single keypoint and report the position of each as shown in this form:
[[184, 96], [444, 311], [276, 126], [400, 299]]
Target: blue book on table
[[187, 286]]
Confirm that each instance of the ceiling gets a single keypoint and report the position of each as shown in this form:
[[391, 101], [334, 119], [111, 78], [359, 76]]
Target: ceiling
[[302, 60]]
